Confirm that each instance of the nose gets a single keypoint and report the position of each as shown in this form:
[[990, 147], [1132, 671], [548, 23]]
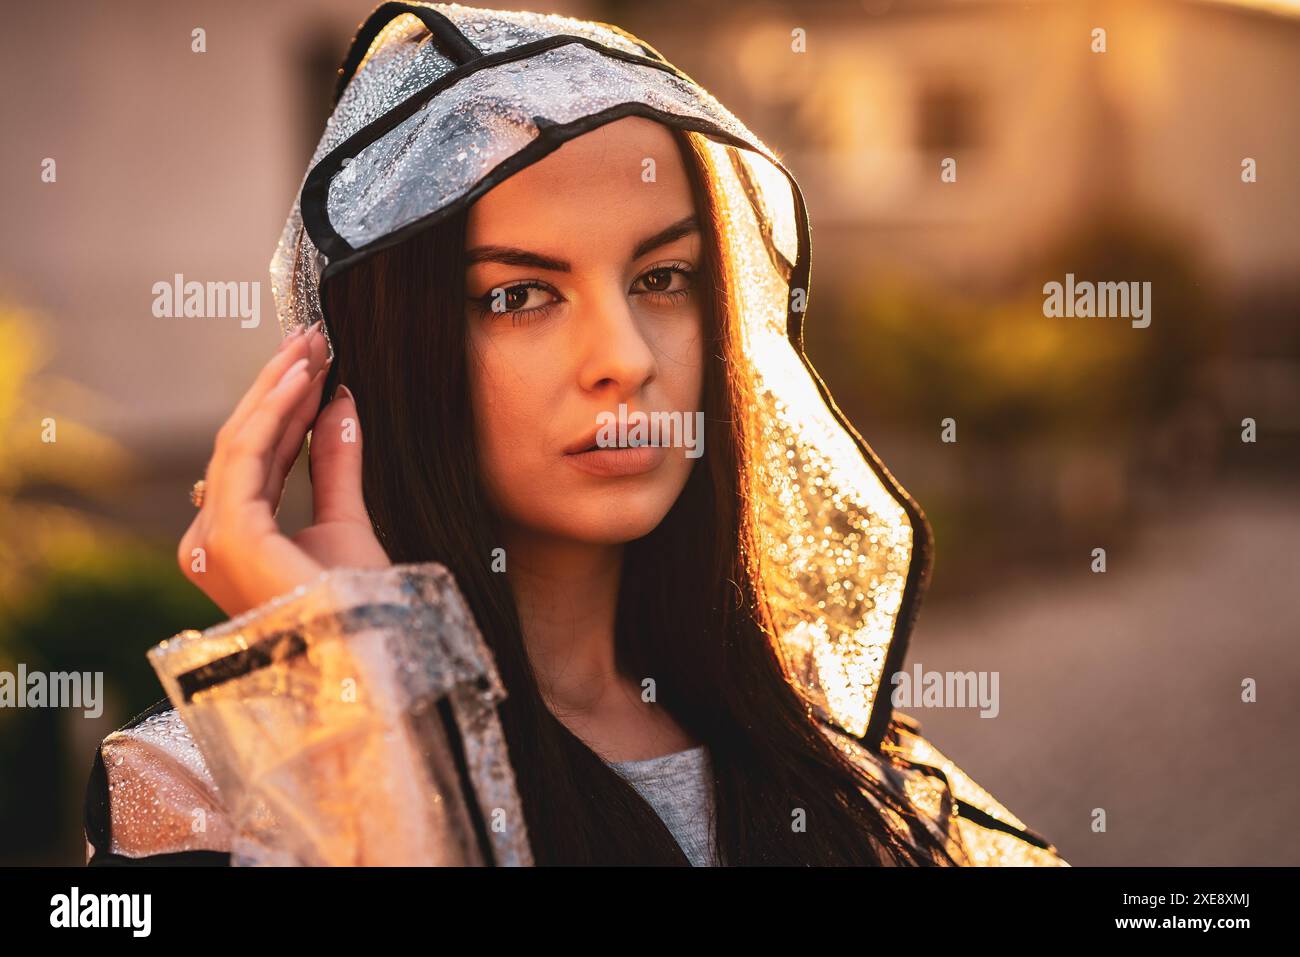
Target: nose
[[616, 356]]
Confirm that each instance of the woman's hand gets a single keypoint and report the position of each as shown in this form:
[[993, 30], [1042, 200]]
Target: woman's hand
[[234, 550]]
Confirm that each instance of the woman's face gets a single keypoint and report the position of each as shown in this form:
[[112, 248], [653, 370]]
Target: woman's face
[[582, 299]]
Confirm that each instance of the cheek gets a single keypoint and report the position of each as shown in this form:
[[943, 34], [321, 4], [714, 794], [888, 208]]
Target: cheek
[[504, 394], [491, 410], [682, 363]]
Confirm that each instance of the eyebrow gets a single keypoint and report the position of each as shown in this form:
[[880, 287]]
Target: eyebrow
[[513, 256]]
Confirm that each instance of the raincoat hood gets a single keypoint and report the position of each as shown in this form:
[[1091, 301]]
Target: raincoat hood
[[438, 103]]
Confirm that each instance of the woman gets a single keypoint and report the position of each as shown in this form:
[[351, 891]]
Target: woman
[[529, 238]]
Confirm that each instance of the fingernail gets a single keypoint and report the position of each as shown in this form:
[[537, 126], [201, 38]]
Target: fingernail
[[290, 372], [289, 338], [341, 389], [314, 328]]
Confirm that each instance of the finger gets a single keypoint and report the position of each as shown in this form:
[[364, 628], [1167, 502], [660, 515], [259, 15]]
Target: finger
[[243, 464], [309, 343], [336, 462], [294, 346], [286, 452], [318, 363]]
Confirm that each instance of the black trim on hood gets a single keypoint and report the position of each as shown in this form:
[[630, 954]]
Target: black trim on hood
[[784, 268], [965, 809], [340, 255], [450, 41], [315, 190], [984, 819]]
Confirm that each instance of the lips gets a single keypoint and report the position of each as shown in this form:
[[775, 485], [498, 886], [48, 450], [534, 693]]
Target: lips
[[627, 458], [618, 462], [593, 447], [588, 444]]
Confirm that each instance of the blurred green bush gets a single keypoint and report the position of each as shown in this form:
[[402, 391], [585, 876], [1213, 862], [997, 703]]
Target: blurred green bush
[[76, 594]]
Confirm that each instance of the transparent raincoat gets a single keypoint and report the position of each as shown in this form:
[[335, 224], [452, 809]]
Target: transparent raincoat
[[436, 104]]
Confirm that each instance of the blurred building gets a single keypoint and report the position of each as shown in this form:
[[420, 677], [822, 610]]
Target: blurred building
[[1045, 131]]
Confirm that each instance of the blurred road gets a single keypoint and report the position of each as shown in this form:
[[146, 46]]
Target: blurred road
[[1122, 691]]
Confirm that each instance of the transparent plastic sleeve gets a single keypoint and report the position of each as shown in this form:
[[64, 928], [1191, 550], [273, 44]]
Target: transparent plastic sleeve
[[353, 722]]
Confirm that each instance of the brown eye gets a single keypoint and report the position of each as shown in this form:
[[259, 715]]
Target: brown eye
[[659, 280], [515, 298], [517, 301], [665, 285]]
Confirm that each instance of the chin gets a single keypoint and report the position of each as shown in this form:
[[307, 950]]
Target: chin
[[623, 519], [610, 512], [611, 516]]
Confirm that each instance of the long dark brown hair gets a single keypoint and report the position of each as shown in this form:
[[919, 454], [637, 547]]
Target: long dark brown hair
[[691, 611]]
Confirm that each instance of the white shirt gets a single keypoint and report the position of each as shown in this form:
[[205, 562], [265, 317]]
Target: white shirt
[[679, 786]]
